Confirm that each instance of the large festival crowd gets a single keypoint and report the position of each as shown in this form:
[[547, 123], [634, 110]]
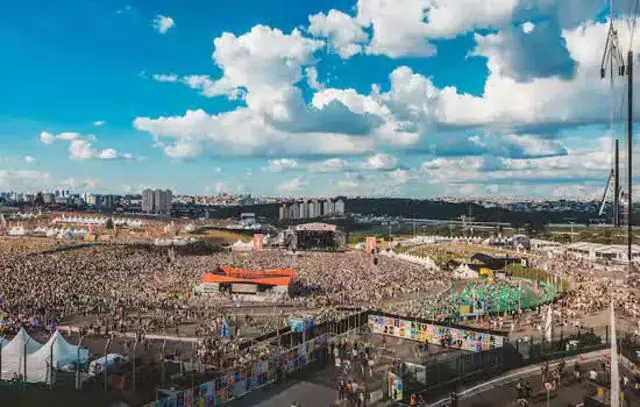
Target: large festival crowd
[[106, 289], [110, 289]]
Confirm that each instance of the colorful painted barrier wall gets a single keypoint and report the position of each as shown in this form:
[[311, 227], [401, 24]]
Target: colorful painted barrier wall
[[234, 384], [199, 396], [465, 339]]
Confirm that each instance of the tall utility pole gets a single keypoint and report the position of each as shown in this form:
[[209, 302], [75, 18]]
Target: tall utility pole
[[613, 62], [629, 149], [616, 189]]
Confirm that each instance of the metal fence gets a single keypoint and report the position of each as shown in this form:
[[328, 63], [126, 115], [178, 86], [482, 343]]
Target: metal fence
[[304, 351], [435, 380]]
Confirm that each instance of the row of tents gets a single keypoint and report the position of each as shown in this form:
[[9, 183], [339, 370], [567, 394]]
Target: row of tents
[[99, 221], [412, 258], [60, 233], [26, 358]]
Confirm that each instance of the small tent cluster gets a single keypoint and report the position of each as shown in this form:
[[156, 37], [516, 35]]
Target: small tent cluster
[[412, 258], [241, 246], [25, 357], [464, 272]]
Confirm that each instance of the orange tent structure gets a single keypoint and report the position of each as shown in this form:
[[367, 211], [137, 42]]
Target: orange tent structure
[[226, 274]]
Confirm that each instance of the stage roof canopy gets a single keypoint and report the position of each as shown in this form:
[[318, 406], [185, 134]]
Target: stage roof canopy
[[226, 274], [316, 227]]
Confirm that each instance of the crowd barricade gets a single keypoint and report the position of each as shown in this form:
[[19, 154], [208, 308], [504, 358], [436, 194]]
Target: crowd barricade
[[235, 383]]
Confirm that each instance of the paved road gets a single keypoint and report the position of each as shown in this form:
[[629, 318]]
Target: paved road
[[569, 393], [313, 389]]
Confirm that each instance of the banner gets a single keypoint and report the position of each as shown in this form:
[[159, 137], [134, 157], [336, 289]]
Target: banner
[[203, 396], [226, 328], [258, 242], [234, 384], [370, 244], [300, 324], [395, 387], [465, 339]]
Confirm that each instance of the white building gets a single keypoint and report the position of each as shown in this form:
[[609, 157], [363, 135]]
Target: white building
[[48, 198], [327, 208], [93, 200], [539, 244], [596, 251], [295, 210], [283, 212], [339, 208], [157, 201]]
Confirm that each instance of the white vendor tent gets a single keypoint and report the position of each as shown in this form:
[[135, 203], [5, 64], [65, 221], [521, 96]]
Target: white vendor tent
[[57, 351], [240, 246], [39, 356], [13, 354], [464, 272]]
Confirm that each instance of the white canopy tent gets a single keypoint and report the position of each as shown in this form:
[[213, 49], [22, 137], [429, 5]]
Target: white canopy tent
[[39, 357], [57, 352], [240, 246], [464, 272], [13, 354]]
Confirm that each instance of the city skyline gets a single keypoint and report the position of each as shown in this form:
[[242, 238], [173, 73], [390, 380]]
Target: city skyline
[[303, 99]]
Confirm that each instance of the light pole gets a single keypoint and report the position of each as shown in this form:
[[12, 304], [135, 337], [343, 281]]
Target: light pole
[[24, 357], [78, 363], [51, 362], [164, 344], [134, 364], [571, 223], [1, 342], [106, 365]]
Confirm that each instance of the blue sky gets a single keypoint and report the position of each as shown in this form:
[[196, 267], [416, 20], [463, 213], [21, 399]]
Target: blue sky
[[367, 97]]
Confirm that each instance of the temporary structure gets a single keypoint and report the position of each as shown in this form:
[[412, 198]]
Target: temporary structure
[[39, 358], [464, 272], [57, 352], [13, 353], [240, 246]]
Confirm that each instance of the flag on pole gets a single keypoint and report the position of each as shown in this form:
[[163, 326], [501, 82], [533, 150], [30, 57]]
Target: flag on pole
[[615, 379], [548, 323], [226, 328]]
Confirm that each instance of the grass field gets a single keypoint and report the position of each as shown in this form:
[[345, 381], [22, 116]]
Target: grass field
[[222, 235]]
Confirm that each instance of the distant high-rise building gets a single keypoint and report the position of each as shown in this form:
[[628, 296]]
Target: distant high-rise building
[[311, 209], [295, 210], [247, 201], [93, 200], [147, 201], [327, 208], [108, 202], [284, 212], [157, 201], [315, 209], [339, 208], [48, 198]]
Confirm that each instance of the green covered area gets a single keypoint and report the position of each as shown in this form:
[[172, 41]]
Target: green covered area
[[499, 296]]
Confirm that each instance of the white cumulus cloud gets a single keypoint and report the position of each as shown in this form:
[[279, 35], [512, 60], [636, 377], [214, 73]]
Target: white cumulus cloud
[[293, 185], [346, 36], [381, 161], [81, 148], [169, 77], [162, 24], [281, 165]]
